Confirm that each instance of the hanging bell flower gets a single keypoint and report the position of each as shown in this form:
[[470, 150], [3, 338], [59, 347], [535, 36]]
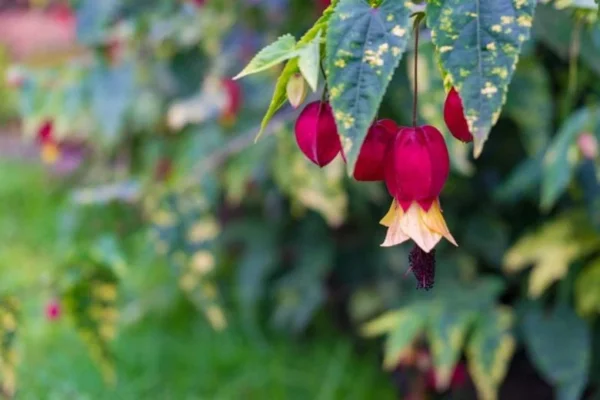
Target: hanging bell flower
[[416, 168], [316, 133], [233, 93], [454, 116], [50, 151], [370, 163]]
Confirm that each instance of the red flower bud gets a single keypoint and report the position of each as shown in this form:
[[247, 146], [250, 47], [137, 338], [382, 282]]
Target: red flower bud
[[317, 134], [53, 310], [454, 115], [370, 163], [234, 99], [417, 166]]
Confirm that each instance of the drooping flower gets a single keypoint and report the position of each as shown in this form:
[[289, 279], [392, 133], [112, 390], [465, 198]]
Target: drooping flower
[[454, 115], [233, 93], [416, 168], [370, 163], [316, 133], [49, 146]]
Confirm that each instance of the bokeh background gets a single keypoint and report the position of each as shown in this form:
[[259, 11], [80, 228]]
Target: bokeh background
[[150, 249]]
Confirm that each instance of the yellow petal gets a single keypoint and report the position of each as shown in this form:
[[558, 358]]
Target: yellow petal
[[389, 217], [50, 153], [435, 221], [394, 235], [413, 226]]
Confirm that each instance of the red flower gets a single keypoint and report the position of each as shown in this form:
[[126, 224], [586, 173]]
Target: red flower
[[454, 115], [316, 133], [50, 150], [416, 168], [53, 310], [370, 163], [233, 91]]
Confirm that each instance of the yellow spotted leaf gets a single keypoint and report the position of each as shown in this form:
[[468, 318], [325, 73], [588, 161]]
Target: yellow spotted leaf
[[551, 249], [489, 350]]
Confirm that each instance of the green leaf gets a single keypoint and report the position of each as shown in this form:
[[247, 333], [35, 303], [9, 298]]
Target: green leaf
[[280, 94], [562, 157], [383, 324], [184, 231], [447, 330], [92, 303], [551, 249], [9, 325], [410, 322], [529, 103], [479, 44], [364, 46], [490, 350], [565, 365], [554, 28], [112, 93], [309, 61], [282, 49], [587, 295]]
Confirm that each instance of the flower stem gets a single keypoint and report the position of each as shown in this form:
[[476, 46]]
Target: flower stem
[[416, 72]]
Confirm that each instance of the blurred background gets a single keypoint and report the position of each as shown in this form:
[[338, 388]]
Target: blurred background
[[150, 249]]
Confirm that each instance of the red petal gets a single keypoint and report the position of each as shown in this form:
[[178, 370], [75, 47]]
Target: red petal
[[440, 161], [234, 97], [316, 133], [417, 166], [370, 164], [454, 115], [390, 125]]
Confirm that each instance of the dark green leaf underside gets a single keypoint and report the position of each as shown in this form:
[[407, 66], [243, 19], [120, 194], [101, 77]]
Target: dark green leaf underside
[[364, 46]]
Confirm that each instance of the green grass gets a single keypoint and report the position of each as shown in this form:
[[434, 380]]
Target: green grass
[[171, 353]]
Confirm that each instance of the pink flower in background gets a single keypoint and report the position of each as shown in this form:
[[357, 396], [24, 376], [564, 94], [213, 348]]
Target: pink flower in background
[[53, 310]]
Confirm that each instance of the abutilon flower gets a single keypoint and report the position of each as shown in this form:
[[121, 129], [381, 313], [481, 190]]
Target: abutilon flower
[[50, 150], [454, 116], [233, 91], [316, 133], [370, 163], [416, 168]]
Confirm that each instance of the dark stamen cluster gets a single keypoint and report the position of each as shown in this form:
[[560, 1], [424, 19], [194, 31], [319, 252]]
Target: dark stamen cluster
[[422, 265]]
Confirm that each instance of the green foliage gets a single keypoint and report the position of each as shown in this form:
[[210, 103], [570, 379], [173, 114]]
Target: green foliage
[[480, 64], [562, 157], [566, 365], [91, 300], [364, 47], [490, 349], [529, 103], [280, 50], [552, 249], [9, 324], [160, 196], [291, 67]]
